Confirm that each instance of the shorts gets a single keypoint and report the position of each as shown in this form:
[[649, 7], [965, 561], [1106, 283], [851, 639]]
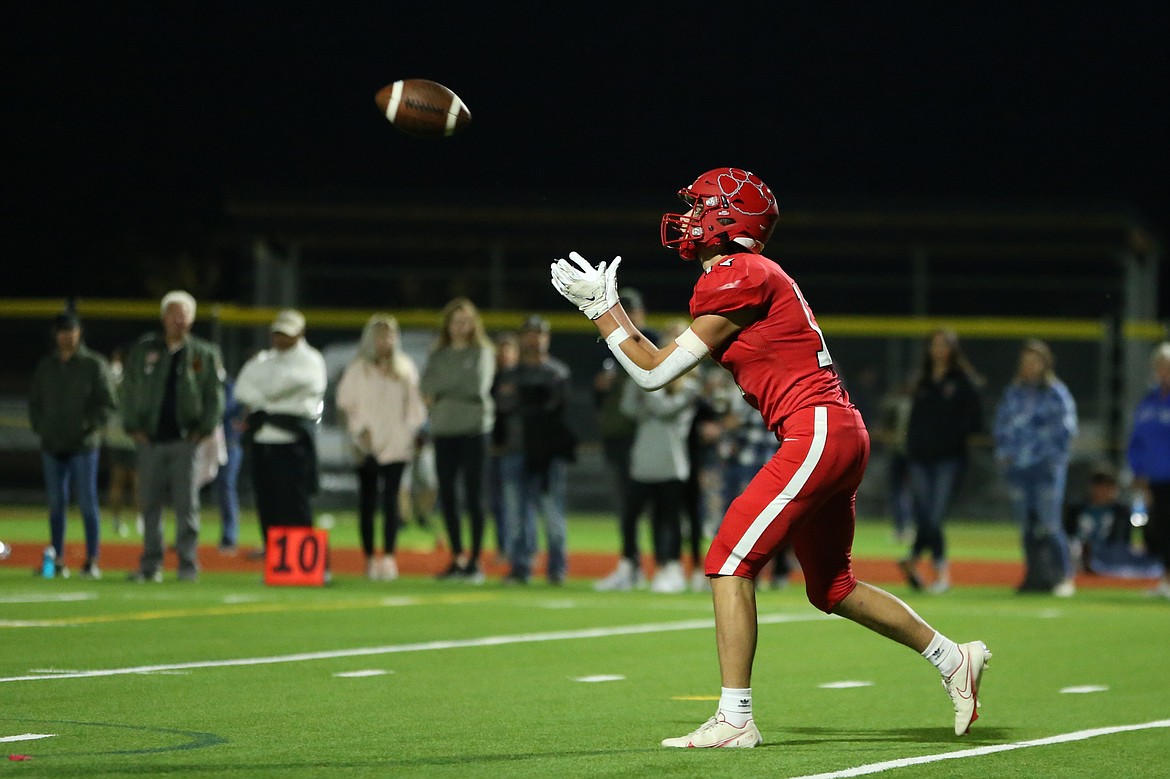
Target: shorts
[[804, 497]]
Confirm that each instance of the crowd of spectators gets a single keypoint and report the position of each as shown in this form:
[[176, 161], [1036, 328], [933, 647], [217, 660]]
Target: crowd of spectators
[[169, 421]]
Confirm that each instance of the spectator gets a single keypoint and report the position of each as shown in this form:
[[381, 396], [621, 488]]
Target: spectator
[[457, 387], [945, 412], [384, 413], [227, 479], [1035, 423], [283, 391], [121, 458], [702, 451], [659, 468], [1149, 459], [507, 358], [69, 403], [172, 399], [1101, 533], [895, 418], [536, 447], [617, 430]]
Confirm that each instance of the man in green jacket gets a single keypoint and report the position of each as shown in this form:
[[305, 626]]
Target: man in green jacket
[[172, 399], [70, 399]]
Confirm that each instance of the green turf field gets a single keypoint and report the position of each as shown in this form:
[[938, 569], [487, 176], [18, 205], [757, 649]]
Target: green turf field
[[587, 533], [227, 678]]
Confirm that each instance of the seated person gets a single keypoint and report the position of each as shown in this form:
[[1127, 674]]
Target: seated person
[[1101, 535]]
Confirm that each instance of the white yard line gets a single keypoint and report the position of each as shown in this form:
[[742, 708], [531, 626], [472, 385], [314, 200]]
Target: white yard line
[[27, 737], [1063, 738], [426, 646]]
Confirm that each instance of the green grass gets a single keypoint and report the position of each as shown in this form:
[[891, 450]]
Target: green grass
[[967, 540], [513, 708]]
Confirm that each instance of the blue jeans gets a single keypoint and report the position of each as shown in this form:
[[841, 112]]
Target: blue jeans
[[526, 494], [79, 470], [227, 483], [932, 484], [1037, 495]]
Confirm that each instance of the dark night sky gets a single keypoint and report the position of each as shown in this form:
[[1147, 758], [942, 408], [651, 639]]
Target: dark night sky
[[138, 119]]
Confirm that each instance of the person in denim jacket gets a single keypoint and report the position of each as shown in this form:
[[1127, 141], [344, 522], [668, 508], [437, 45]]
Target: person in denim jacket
[[1148, 454], [1035, 423]]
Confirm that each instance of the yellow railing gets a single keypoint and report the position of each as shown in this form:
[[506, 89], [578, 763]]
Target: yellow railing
[[570, 321]]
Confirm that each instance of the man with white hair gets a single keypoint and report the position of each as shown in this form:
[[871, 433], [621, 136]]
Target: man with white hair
[[172, 398], [283, 389]]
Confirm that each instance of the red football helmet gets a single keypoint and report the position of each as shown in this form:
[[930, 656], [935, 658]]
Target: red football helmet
[[727, 204]]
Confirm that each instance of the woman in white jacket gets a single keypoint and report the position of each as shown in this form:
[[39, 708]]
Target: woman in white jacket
[[384, 413]]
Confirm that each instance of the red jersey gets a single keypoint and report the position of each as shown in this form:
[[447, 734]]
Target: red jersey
[[780, 361]]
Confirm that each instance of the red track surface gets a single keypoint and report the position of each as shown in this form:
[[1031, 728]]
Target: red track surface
[[123, 556]]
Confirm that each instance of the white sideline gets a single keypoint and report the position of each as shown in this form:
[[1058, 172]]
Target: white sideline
[[426, 646], [1080, 735]]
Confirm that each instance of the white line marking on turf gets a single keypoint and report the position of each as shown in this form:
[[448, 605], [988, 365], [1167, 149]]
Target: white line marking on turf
[[361, 674], [601, 678], [48, 597], [27, 737], [1085, 688], [1063, 738], [843, 685], [426, 646]]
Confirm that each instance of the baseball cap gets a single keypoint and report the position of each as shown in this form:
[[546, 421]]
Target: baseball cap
[[289, 322], [66, 320], [535, 322]]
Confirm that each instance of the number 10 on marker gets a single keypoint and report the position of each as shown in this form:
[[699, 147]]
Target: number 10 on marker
[[295, 556]]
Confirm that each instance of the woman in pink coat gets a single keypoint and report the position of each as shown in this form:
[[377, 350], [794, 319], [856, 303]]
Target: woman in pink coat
[[384, 413]]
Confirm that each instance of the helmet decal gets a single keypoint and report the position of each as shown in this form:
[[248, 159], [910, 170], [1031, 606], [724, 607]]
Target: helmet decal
[[754, 198]]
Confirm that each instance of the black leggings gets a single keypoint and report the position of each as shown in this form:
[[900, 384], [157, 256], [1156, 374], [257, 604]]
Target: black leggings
[[665, 499], [370, 473], [1158, 529], [455, 456]]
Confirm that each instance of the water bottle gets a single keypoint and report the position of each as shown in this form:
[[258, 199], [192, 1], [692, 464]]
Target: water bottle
[[49, 563], [1138, 516]]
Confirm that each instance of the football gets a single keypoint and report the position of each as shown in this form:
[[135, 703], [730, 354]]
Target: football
[[422, 108]]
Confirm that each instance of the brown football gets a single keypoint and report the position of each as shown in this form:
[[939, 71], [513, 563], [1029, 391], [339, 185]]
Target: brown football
[[422, 108]]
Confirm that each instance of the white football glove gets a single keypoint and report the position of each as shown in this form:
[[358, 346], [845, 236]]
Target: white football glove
[[592, 290]]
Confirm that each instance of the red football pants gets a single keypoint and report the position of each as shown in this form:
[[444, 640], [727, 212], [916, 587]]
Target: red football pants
[[804, 497]]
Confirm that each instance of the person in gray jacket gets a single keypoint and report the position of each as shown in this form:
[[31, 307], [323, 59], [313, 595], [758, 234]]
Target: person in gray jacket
[[172, 398], [457, 387], [659, 468], [69, 402]]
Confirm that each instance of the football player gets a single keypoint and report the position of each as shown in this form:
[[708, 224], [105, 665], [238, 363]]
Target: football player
[[751, 318]]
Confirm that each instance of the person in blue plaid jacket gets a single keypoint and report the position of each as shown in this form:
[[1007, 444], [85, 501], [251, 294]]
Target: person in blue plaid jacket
[[1035, 423]]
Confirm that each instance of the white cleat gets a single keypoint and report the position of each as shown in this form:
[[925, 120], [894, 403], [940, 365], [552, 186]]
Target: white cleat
[[717, 733], [963, 685]]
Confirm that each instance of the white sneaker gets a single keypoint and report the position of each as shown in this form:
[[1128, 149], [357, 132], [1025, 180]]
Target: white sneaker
[[373, 569], [624, 577], [1066, 589], [939, 587], [1161, 591], [388, 568], [669, 579], [718, 733], [963, 684], [699, 581]]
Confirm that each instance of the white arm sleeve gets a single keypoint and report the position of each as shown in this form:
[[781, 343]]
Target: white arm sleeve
[[690, 350]]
